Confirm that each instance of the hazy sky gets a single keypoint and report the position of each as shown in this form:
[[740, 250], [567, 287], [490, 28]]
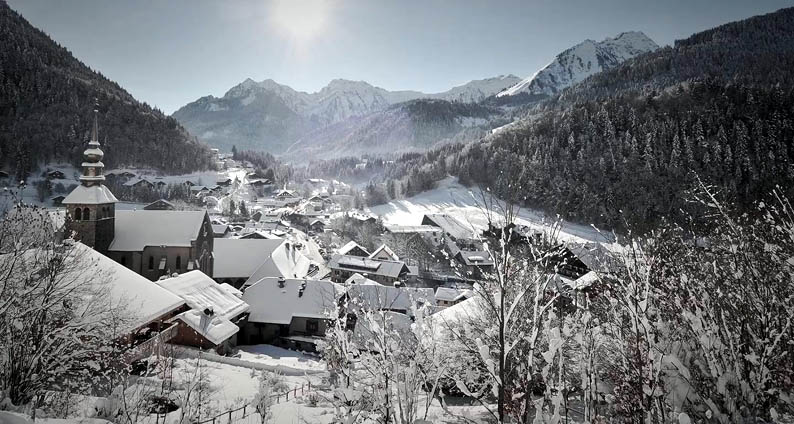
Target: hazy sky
[[171, 52]]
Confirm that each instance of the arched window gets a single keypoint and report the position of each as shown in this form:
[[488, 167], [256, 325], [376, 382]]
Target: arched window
[[179, 263], [86, 214], [151, 263], [78, 215]]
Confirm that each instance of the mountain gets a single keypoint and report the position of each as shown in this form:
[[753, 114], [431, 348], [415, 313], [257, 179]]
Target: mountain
[[625, 148], [46, 99], [581, 61], [477, 90], [270, 116], [412, 126]]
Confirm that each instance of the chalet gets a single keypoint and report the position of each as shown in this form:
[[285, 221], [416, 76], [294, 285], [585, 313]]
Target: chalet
[[224, 182], [146, 307], [57, 200], [189, 183], [462, 243], [353, 249], [384, 253], [317, 226], [160, 205], [237, 259], [286, 194], [368, 295], [448, 296], [431, 233], [139, 183], [384, 272], [290, 312], [215, 316]]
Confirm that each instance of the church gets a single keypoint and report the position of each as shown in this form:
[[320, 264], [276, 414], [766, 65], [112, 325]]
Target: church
[[152, 243]]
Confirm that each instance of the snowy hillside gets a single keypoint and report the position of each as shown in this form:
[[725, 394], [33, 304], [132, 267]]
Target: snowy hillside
[[465, 204], [477, 90], [581, 61]]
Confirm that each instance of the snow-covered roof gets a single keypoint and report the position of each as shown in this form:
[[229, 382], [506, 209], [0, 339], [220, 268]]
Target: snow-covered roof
[[450, 225], [94, 195], [378, 297], [146, 300], [398, 229], [138, 229], [384, 252], [449, 294], [200, 291], [391, 269], [213, 328], [271, 303], [239, 258], [360, 279], [595, 256], [231, 289], [285, 261], [351, 245]]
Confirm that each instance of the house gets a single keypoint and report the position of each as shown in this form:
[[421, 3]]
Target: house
[[215, 316], [139, 184], [384, 253], [285, 194], [237, 259], [224, 182], [431, 233], [159, 242], [160, 205], [316, 226], [353, 249], [462, 243], [3, 175], [448, 296], [290, 312], [286, 261], [145, 307], [257, 216], [368, 295], [384, 272]]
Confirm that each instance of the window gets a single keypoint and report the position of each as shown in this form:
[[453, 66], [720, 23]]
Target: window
[[78, 214], [86, 214], [179, 263], [312, 326], [151, 263]]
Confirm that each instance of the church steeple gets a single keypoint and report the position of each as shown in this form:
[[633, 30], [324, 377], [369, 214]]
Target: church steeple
[[93, 166], [91, 206]]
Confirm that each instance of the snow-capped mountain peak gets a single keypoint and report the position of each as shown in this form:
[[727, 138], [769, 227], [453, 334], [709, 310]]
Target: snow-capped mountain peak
[[582, 60]]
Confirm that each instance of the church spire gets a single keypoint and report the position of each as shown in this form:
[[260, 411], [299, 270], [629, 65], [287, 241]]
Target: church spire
[[92, 167]]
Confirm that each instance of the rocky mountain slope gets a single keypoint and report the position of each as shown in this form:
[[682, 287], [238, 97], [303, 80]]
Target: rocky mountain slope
[[270, 116], [581, 61]]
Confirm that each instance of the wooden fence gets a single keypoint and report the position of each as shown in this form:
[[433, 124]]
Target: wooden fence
[[247, 411]]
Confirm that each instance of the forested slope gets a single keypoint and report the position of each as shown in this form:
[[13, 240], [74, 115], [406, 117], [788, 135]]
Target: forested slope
[[46, 98]]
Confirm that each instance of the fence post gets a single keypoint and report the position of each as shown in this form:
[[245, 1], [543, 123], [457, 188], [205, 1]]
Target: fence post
[[230, 416], [287, 396]]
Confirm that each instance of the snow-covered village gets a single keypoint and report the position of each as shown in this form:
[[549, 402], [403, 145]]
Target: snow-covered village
[[607, 238]]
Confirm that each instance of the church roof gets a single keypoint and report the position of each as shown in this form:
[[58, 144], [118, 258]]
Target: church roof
[[138, 229], [89, 195]]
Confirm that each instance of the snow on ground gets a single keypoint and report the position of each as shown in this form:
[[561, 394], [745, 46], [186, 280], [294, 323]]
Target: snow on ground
[[274, 355], [465, 204]]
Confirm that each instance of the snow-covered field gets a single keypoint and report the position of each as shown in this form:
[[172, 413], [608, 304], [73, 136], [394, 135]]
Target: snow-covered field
[[465, 204]]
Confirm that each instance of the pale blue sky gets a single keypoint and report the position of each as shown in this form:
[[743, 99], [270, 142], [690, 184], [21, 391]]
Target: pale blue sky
[[171, 52]]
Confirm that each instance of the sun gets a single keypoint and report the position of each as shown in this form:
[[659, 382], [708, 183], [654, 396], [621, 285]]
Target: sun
[[300, 20]]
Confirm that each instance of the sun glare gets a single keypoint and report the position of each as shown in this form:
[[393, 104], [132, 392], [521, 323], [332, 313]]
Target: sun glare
[[300, 20]]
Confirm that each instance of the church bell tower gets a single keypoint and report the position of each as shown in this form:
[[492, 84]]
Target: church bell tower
[[91, 207]]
